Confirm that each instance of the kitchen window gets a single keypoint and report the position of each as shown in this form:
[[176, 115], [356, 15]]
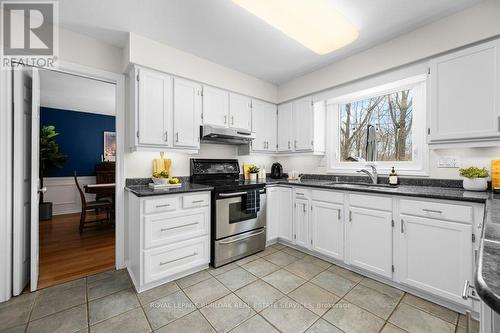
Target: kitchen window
[[384, 126]]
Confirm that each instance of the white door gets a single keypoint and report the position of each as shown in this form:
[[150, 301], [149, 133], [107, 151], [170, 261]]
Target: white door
[[369, 238], [465, 94], [286, 214], [285, 127], [264, 124], [240, 112], [22, 99], [303, 124], [436, 256], [187, 113], [273, 213], [35, 180], [327, 229], [155, 108], [215, 106], [301, 222]]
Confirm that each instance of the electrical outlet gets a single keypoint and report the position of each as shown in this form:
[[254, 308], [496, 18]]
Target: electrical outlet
[[448, 162]]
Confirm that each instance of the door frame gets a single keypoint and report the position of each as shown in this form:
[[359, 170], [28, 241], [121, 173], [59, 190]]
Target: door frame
[[6, 188], [119, 81]]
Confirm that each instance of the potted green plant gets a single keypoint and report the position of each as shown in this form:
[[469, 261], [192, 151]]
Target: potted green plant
[[474, 178], [253, 170], [50, 157]]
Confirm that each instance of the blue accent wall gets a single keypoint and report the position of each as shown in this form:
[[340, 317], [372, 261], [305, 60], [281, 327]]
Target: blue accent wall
[[81, 139]]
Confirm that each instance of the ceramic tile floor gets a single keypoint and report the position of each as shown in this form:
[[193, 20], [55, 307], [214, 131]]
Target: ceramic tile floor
[[277, 290]]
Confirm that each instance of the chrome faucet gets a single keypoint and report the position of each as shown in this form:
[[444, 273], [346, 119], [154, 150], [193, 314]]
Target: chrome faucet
[[373, 174]]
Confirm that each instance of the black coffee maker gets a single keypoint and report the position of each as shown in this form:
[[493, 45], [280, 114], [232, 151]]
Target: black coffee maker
[[276, 171]]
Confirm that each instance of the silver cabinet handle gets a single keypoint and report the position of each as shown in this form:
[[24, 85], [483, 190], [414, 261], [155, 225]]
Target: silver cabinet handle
[[177, 137], [232, 120], [198, 201], [350, 216], [228, 195], [161, 206], [338, 214], [289, 147], [402, 226], [171, 261], [225, 119], [295, 144], [166, 136], [241, 238], [299, 193], [177, 227], [304, 210], [432, 211]]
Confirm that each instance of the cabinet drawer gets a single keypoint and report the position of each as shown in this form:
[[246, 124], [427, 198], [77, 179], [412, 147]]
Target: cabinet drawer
[[165, 204], [370, 201], [437, 210], [328, 196], [172, 259], [162, 229], [195, 200]]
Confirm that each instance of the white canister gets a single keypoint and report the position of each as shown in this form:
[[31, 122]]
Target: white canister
[[475, 184]]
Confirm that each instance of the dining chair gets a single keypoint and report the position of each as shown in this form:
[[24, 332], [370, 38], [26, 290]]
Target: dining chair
[[92, 206]]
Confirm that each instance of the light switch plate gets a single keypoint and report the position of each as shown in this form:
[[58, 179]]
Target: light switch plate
[[448, 162]]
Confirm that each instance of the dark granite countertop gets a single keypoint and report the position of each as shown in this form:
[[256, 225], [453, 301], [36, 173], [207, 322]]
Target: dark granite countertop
[[487, 277], [142, 190]]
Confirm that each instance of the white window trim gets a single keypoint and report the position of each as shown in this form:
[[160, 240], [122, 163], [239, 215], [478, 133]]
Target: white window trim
[[419, 166]]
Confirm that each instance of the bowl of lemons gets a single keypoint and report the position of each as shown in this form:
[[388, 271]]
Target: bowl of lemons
[[161, 178]]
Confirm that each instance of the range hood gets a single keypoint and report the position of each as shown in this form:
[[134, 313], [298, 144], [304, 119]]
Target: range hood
[[230, 136]]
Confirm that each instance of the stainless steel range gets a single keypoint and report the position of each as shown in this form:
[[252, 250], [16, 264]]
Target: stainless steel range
[[238, 210]]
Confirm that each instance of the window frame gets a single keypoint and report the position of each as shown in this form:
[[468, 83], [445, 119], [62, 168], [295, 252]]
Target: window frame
[[419, 166]]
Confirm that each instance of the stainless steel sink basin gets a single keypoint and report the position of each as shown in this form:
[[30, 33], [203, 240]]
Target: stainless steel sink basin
[[361, 185]]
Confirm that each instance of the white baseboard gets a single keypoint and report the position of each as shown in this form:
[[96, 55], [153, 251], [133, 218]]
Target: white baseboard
[[63, 194]]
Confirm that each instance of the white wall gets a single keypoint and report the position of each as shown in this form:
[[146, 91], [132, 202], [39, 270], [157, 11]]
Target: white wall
[[471, 25], [64, 195], [140, 164], [87, 51], [149, 53]]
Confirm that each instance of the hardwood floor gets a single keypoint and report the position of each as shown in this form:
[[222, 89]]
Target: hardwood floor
[[66, 255]]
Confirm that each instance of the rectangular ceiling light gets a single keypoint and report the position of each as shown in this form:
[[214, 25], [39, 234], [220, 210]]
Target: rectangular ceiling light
[[313, 23]]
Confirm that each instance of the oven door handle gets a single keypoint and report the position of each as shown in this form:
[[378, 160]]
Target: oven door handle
[[241, 238], [229, 195]]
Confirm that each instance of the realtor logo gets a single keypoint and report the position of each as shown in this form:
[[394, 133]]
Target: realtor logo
[[29, 33]]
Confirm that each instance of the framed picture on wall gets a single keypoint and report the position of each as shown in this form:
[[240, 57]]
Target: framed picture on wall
[[110, 146]]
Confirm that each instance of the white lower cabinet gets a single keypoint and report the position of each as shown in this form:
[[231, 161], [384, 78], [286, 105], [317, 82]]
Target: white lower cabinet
[[301, 221], [436, 256], [369, 240], [168, 237], [327, 229], [279, 213]]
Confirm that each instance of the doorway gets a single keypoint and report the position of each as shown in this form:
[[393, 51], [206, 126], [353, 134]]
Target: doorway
[[104, 240]]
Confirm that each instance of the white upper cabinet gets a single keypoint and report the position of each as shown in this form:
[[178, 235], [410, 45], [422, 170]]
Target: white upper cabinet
[[154, 108], [215, 106], [240, 111], [303, 124], [465, 94], [436, 256], [187, 113], [264, 124], [285, 128]]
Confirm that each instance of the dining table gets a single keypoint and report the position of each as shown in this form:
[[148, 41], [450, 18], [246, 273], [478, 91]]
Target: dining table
[[103, 190]]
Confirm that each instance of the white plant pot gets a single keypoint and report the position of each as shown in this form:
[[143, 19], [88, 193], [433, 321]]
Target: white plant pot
[[253, 176], [475, 184]]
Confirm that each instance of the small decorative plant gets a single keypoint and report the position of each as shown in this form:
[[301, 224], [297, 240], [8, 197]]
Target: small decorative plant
[[253, 169], [474, 178], [473, 172]]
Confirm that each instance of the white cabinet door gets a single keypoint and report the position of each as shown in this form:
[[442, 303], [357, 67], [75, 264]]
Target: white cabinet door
[[154, 108], [187, 113], [303, 124], [273, 213], [264, 124], [286, 214], [327, 229], [465, 94], [285, 127], [240, 111], [215, 106], [301, 222], [436, 256], [369, 239]]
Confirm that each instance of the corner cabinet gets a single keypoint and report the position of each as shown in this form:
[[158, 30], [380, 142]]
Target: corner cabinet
[[187, 114], [215, 106], [464, 98]]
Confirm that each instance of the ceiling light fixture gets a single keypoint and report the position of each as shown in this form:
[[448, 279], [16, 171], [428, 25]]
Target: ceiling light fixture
[[313, 23]]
